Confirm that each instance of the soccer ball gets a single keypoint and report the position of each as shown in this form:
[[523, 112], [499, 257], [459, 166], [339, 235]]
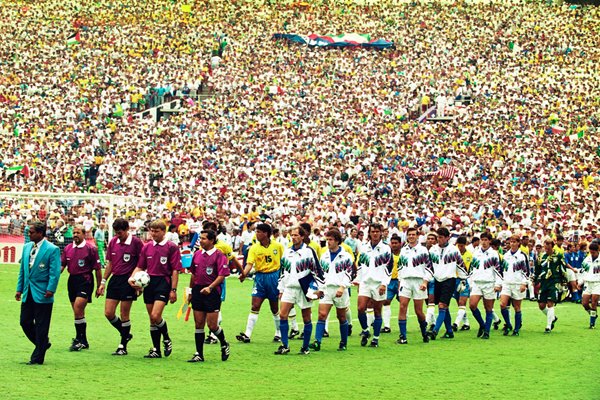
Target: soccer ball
[[141, 279]]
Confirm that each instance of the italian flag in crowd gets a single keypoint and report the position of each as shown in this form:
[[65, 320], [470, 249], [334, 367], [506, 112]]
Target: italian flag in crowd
[[74, 39]]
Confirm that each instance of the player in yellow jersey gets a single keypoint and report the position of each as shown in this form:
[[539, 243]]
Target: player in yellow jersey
[[265, 258], [392, 289], [463, 291]]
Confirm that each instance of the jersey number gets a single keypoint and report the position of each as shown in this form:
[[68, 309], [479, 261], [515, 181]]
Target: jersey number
[[268, 259]]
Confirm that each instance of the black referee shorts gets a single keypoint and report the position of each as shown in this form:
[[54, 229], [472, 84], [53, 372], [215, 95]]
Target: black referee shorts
[[444, 290], [119, 289], [205, 302], [80, 286], [158, 290]]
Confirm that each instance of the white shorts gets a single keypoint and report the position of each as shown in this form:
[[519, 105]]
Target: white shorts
[[371, 290], [591, 288], [513, 290], [571, 275], [410, 288], [338, 302], [295, 295], [485, 289]]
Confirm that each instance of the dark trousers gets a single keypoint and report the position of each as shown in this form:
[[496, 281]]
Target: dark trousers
[[35, 321]]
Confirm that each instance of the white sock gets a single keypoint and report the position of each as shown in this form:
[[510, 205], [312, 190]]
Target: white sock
[[545, 310], [430, 317], [349, 316], [220, 318], [276, 321], [292, 319], [370, 317], [252, 318], [462, 312], [496, 317], [550, 316], [387, 316], [531, 290], [327, 323]]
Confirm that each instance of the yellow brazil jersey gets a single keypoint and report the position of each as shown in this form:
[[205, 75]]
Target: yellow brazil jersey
[[525, 249], [225, 248], [395, 268], [467, 258], [265, 259], [557, 249]]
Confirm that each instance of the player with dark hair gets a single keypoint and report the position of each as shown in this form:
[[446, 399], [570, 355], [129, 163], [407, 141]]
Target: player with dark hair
[[589, 282]]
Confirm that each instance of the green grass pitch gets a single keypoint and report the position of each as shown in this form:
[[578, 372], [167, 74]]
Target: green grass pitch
[[561, 365]]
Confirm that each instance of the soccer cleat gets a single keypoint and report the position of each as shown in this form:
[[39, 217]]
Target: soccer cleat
[[592, 326], [281, 350], [121, 351], [448, 335], [385, 329], [432, 335], [225, 352], [485, 335], [515, 333], [294, 333], [78, 346], [196, 358], [342, 346], [497, 325], [316, 346], [548, 330], [431, 327], [349, 329], [402, 340], [455, 327], [325, 334], [210, 340], [364, 338], [242, 338], [168, 347], [465, 328], [374, 343], [480, 331], [304, 351], [277, 339], [426, 338], [553, 322], [153, 353], [506, 330]]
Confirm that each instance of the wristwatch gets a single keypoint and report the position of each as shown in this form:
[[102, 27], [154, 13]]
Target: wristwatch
[[174, 290]]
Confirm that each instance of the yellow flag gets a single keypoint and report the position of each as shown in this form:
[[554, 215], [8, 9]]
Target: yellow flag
[[186, 8]]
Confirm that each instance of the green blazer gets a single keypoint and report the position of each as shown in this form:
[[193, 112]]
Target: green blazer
[[42, 276]]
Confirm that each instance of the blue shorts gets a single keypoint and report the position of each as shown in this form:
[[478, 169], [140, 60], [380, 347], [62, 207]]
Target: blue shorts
[[265, 285], [392, 290], [431, 288], [466, 291]]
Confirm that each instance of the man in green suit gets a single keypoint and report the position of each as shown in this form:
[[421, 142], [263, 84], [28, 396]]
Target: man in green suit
[[38, 279]]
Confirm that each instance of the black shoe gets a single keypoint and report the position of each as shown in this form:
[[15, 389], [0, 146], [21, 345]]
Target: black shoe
[[304, 351], [547, 330], [485, 335], [349, 329], [294, 333], [281, 350], [465, 328], [426, 338], [480, 331], [385, 329], [515, 333], [364, 338], [402, 340], [48, 345], [432, 335], [592, 326], [506, 330], [325, 334], [153, 353], [553, 322], [210, 340], [121, 351], [448, 335], [455, 327], [374, 343], [431, 327], [242, 338], [277, 339], [497, 325], [196, 358], [76, 345], [168, 347], [225, 352], [33, 363], [316, 346]]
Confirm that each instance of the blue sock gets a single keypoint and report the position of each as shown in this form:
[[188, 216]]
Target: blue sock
[[362, 318], [518, 320], [477, 315], [377, 326], [593, 316], [422, 325], [402, 326], [440, 319], [489, 318], [506, 316], [307, 334], [448, 321], [320, 330], [284, 327], [343, 331]]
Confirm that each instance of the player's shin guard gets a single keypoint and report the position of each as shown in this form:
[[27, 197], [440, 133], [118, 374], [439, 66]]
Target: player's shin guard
[[430, 316], [252, 318], [155, 335], [448, 321], [344, 332], [506, 315], [321, 330], [377, 327], [402, 326], [489, 318], [308, 328], [440, 319], [386, 315], [478, 318], [284, 326], [518, 320], [199, 338], [362, 318]]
